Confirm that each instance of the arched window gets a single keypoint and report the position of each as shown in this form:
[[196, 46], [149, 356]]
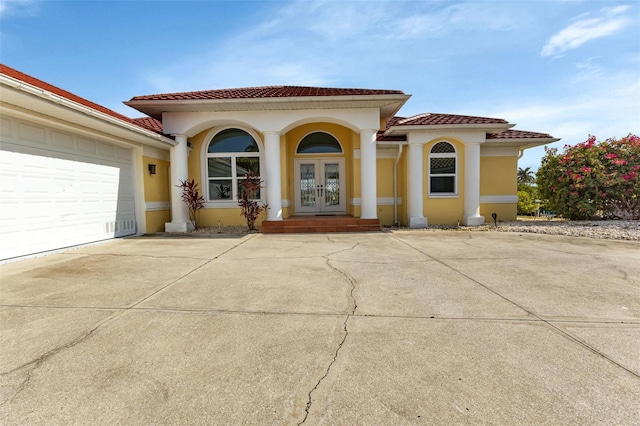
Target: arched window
[[231, 153], [319, 143], [443, 169]]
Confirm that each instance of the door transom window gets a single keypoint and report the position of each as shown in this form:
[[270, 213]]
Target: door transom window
[[319, 143]]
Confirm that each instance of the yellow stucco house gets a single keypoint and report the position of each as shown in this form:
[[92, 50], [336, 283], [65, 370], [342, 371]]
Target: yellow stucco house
[[333, 151], [75, 172]]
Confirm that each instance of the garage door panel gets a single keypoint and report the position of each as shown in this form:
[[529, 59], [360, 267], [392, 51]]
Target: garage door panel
[[5, 127], [33, 133], [87, 146], [62, 140], [107, 151], [69, 191]]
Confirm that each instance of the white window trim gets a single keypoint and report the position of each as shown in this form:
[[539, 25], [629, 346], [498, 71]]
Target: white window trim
[[453, 155], [204, 155]]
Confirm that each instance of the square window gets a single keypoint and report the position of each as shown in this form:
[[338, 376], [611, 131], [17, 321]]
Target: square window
[[256, 195], [443, 165], [247, 164], [443, 184], [219, 167], [220, 189]]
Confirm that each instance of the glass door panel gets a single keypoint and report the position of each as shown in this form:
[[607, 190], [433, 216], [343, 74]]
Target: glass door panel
[[308, 185], [331, 184], [320, 186]]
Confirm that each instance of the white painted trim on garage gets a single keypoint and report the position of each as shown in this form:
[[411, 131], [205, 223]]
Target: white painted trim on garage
[[138, 190]]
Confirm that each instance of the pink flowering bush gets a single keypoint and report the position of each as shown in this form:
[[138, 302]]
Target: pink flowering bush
[[593, 179]]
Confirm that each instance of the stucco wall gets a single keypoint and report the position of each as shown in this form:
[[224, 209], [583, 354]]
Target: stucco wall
[[498, 178], [156, 194], [444, 210]]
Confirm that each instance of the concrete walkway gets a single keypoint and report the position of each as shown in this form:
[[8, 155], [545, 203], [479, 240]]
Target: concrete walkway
[[382, 328]]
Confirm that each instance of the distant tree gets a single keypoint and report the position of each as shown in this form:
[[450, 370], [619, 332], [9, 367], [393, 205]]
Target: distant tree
[[593, 179], [527, 195], [526, 176]]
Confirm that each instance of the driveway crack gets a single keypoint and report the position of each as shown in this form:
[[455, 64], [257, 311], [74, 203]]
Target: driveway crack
[[354, 305], [34, 364], [326, 373], [548, 322]]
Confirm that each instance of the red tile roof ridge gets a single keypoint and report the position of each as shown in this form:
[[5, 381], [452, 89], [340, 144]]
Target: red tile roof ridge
[[149, 123], [257, 92], [413, 117], [433, 118], [43, 85], [519, 134]]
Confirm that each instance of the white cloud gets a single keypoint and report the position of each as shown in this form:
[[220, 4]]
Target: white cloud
[[17, 7], [603, 105], [459, 17], [299, 43], [586, 28], [319, 43]]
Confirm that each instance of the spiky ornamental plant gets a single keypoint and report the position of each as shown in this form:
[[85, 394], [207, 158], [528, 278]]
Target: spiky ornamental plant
[[249, 206], [192, 198]]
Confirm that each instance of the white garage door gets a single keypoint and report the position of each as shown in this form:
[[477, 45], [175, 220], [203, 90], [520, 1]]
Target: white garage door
[[59, 189]]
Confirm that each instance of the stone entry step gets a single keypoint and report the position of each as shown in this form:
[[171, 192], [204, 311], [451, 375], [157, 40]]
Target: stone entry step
[[315, 224]]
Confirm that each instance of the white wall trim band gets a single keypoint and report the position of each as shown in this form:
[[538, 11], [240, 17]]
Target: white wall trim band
[[498, 199], [152, 206], [381, 201]]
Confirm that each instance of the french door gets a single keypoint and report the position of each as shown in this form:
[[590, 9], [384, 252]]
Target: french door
[[320, 185]]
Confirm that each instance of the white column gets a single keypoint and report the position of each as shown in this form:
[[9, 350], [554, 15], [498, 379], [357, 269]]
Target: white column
[[178, 154], [140, 204], [416, 188], [471, 215], [272, 176], [368, 174]]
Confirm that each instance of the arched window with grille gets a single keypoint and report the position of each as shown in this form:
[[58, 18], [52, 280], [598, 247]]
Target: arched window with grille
[[230, 154], [443, 170]]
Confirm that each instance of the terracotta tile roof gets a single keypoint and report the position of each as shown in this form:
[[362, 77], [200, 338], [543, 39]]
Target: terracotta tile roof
[[149, 123], [396, 138], [519, 134], [25, 78], [264, 92], [434, 119], [380, 137]]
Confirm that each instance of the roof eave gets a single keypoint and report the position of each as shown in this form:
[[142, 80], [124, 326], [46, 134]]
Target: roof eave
[[25, 91], [488, 128], [521, 143], [391, 103]]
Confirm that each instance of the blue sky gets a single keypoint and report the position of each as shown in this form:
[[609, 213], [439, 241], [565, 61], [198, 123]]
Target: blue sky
[[569, 68]]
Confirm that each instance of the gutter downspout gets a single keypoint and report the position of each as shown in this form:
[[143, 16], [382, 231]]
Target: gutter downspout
[[395, 185]]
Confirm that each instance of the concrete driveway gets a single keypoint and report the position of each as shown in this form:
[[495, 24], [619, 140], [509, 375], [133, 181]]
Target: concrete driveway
[[381, 328]]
